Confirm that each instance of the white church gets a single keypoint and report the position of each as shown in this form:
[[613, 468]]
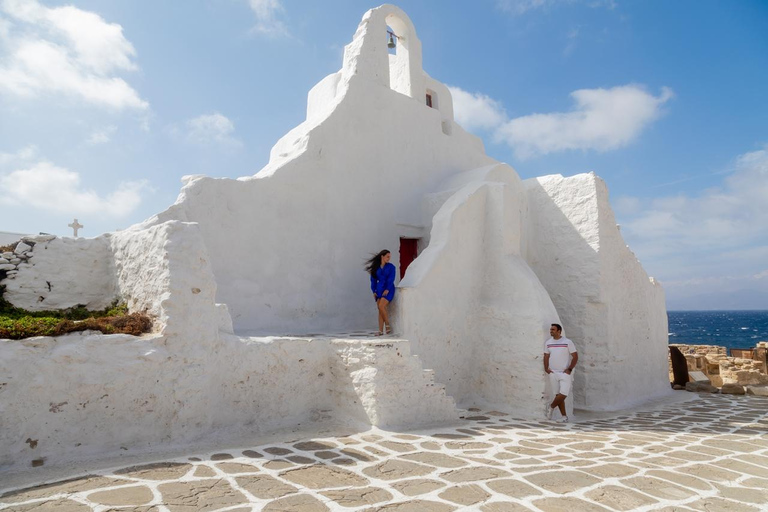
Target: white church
[[262, 306]]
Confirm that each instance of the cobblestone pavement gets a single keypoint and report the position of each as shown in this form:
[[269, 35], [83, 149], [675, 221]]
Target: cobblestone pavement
[[709, 454]]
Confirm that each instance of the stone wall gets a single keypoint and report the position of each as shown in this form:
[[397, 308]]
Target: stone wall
[[721, 369]]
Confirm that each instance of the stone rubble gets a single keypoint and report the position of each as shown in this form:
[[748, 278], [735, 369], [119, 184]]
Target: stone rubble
[[13, 261], [733, 375]]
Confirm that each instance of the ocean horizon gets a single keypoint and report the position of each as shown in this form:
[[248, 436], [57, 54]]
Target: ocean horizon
[[727, 328]]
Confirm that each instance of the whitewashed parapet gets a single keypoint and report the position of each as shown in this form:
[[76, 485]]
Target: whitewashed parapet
[[52, 273], [12, 261]]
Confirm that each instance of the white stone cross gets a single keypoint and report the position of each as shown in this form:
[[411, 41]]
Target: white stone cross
[[75, 226]]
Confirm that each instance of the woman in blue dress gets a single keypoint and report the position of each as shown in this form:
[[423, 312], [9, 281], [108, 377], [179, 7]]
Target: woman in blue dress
[[382, 285]]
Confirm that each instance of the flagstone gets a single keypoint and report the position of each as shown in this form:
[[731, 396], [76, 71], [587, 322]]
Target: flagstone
[[752, 458], [297, 503], [397, 469], [562, 482], [397, 447], [567, 505], [325, 454], [278, 465], [742, 467], [414, 506], [276, 450], [465, 494], [377, 451], [236, 467], [264, 486], [523, 450], [741, 494], [759, 483], [358, 496], [658, 488], [60, 505], [619, 498], [199, 495], [357, 454], [204, 472], [467, 445], [504, 506], [417, 486], [124, 496], [85, 483], [727, 444], [298, 459], [321, 476], [222, 456], [513, 488], [611, 470], [157, 471], [435, 459], [720, 505], [474, 474], [311, 446], [679, 478]]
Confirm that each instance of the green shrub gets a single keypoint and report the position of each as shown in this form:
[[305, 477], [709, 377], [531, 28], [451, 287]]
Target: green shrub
[[17, 323]]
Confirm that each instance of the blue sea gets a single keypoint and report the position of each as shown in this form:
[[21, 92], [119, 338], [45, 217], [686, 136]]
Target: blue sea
[[730, 329]]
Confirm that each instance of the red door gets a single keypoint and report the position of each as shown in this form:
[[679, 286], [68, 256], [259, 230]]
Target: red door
[[408, 253]]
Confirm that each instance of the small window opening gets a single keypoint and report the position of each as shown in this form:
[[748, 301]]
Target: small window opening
[[429, 100]]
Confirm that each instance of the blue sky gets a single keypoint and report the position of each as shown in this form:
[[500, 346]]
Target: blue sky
[[104, 106]]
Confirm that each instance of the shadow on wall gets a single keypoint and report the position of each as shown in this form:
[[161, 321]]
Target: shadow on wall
[[607, 304], [568, 267]]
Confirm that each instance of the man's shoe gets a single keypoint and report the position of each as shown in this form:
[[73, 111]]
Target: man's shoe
[[548, 414], [564, 419]]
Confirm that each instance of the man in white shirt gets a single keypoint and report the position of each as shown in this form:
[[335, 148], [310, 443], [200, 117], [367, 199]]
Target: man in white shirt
[[560, 358]]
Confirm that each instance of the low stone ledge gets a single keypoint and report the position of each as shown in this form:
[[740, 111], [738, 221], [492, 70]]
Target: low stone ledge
[[700, 387], [732, 389], [757, 390]]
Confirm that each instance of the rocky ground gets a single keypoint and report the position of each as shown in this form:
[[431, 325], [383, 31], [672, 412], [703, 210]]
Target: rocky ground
[[709, 454]]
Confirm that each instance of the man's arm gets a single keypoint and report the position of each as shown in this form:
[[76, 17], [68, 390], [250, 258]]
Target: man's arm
[[546, 363], [574, 360]]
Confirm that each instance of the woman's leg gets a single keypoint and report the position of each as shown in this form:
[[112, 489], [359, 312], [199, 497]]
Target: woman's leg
[[381, 318], [383, 314]]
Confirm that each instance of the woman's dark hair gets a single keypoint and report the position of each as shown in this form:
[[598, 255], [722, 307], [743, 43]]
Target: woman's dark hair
[[373, 264]]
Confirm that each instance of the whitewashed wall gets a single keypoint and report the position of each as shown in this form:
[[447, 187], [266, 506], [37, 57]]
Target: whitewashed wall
[[336, 189], [609, 308], [284, 250], [65, 272]]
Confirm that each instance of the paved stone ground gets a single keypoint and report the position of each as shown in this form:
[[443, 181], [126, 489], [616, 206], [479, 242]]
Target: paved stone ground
[[708, 455]]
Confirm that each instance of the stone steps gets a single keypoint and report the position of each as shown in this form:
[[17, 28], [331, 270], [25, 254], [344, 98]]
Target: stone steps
[[390, 385]]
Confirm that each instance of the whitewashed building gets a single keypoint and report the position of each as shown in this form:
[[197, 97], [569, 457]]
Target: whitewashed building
[[258, 288]]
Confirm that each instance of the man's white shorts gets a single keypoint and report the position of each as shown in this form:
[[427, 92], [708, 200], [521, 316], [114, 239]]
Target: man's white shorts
[[560, 382]]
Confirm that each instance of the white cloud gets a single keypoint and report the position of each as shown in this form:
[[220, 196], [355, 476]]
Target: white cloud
[[476, 111], [267, 22], [65, 50], [101, 136], [48, 187], [602, 120], [212, 128], [719, 232], [24, 154]]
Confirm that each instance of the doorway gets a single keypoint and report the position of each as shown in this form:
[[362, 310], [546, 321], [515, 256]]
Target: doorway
[[409, 249]]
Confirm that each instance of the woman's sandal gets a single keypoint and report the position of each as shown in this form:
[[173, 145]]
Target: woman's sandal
[[379, 333], [389, 329]]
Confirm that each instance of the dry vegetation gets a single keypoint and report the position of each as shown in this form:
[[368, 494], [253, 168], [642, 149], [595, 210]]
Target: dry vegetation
[[16, 323]]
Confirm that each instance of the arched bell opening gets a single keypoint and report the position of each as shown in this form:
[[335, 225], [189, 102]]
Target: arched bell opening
[[399, 38]]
